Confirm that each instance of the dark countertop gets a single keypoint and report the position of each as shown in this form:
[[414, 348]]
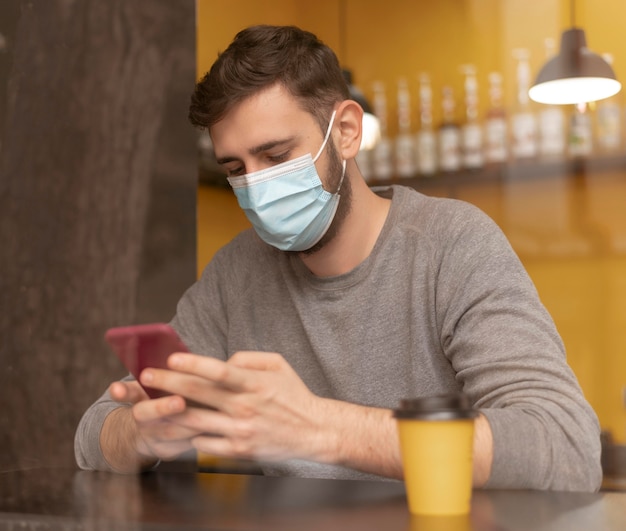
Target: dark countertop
[[66, 499]]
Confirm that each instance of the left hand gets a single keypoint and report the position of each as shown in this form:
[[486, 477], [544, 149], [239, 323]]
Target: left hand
[[261, 408]]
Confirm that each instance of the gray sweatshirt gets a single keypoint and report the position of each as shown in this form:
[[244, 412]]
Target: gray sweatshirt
[[441, 304]]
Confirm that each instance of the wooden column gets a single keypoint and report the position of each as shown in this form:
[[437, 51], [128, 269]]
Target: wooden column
[[95, 154]]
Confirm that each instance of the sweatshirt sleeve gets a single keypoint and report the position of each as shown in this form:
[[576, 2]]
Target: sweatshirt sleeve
[[511, 361], [200, 323], [87, 450]]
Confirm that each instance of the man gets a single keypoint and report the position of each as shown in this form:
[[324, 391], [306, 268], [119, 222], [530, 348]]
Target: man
[[343, 300]]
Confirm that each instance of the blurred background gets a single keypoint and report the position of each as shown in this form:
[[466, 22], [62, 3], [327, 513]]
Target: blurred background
[[558, 191], [111, 204]]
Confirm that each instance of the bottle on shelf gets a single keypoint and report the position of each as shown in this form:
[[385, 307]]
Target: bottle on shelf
[[551, 121], [449, 134], [404, 141], [608, 120], [580, 138], [471, 131], [425, 138], [496, 130], [382, 154], [523, 119]]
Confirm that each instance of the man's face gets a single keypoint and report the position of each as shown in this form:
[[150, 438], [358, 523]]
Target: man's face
[[334, 172], [269, 128]]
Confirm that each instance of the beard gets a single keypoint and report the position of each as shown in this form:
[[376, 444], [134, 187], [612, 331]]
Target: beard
[[334, 171]]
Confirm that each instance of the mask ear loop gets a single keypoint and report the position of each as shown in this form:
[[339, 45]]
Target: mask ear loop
[[343, 174], [330, 126]]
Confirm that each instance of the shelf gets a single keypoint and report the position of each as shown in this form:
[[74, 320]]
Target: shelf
[[448, 183]]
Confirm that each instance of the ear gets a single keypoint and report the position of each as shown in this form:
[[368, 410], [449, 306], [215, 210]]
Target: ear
[[349, 121]]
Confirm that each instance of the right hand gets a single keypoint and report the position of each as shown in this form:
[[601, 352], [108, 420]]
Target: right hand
[[147, 425]]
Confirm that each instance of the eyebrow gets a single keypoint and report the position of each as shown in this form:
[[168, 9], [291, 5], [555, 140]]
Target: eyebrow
[[258, 149]]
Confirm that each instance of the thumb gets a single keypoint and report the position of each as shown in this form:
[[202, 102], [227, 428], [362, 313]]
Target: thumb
[[127, 391]]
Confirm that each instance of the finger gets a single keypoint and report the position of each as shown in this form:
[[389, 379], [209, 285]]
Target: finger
[[167, 431], [259, 361], [205, 421], [166, 437], [170, 450], [127, 391], [158, 408], [157, 442], [198, 391], [211, 369], [220, 447], [234, 448]]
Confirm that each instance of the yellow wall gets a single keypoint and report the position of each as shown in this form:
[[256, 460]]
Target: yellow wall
[[569, 232], [400, 38]]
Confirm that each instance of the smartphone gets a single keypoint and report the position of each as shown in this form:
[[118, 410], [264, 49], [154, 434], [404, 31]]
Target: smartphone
[[145, 345]]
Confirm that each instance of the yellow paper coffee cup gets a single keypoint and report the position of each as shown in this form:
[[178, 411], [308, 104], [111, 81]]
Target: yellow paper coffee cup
[[436, 442]]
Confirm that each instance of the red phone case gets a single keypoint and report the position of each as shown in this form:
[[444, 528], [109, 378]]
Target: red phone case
[[146, 345]]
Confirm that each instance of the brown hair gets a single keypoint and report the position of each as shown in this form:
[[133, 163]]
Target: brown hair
[[261, 56]]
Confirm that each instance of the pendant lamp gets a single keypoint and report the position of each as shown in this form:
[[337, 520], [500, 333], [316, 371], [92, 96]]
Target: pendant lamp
[[575, 75]]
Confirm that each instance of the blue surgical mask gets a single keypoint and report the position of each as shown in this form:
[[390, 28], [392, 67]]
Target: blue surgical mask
[[287, 204]]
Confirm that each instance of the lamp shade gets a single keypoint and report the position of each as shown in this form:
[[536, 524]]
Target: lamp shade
[[575, 75]]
